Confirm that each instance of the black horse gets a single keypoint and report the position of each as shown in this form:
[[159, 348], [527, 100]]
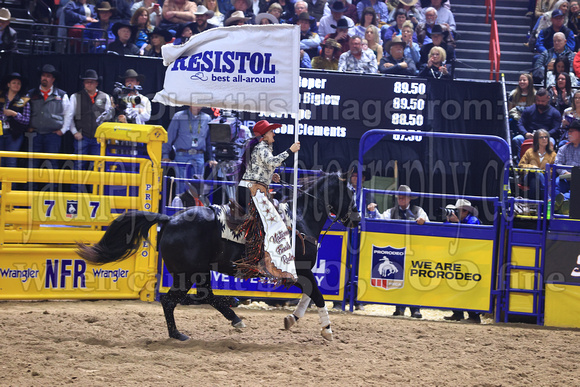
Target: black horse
[[191, 245]]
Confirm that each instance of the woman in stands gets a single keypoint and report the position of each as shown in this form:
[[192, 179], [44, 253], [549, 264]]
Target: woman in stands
[[561, 65], [372, 35], [157, 38], [141, 20], [14, 114], [218, 18], [328, 59], [560, 94], [521, 97], [369, 18], [411, 8], [540, 154], [436, 67]]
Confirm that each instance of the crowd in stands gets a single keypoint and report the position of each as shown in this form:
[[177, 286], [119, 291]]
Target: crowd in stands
[[128, 27]]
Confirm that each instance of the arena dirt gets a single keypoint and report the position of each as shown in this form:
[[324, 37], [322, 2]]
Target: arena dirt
[[124, 343]]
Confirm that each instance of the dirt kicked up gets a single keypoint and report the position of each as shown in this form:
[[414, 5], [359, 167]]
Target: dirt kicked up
[[125, 343]]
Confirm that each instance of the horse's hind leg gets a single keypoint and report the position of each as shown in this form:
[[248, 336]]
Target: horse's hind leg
[[205, 292], [170, 300]]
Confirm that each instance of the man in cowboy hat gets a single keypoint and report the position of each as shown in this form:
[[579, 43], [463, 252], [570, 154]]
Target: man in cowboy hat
[[88, 109], [188, 133], [462, 212], [124, 44], [137, 107], [244, 7], [8, 36], [402, 211], [341, 35], [395, 61], [100, 34], [330, 23], [48, 108], [301, 7], [356, 60], [437, 39], [202, 15]]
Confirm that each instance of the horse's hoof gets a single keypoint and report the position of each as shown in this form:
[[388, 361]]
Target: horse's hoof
[[239, 325], [179, 336], [326, 333], [289, 321]]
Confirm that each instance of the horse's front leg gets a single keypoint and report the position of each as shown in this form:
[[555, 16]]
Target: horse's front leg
[[204, 291]]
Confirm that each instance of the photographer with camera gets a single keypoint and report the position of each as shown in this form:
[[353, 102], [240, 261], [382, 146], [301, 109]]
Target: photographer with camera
[[462, 212], [130, 106]]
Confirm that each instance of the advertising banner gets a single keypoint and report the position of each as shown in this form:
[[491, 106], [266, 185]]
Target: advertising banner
[[425, 270], [249, 68], [329, 273]]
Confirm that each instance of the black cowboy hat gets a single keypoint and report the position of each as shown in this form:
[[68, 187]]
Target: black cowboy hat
[[164, 33], [437, 29], [90, 74], [50, 69], [337, 6], [122, 24], [342, 23], [130, 73], [179, 31]]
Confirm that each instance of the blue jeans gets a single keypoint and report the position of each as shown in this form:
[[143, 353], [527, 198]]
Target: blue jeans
[[8, 143], [86, 146], [563, 187], [196, 161], [46, 143], [536, 182]]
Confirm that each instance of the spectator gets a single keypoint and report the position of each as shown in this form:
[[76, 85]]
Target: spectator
[[7, 33], [139, 110], [79, 13], [548, 58], [237, 19], [545, 37], [388, 32], [537, 157], [301, 7], [48, 107], [560, 93], [157, 38], [436, 66], [277, 11], [574, 19], [177, 12], [14, 115], [541, 115], [350, 12], [569, 155], [184, 32], [521, 97], [286, 9], [88, 109], [467, 215], [124, 39], [341, 35], [411, 11], [328, 60], [188, 132], [444, 16], [259, 6], [318, 8], [424, 29], [100, 34], [123, 8], [543, 6], [369, 17], [395, 61], [141, 22], [202, 15], [244, 6], [328, 24], [546, 20], [412, 49], [380, 8], [267, 18], [374, 41], [570, 115], [154, 10], [437, 40], [218, 18], [403, 211], [561, 65], [356, 60], [309, 41], [305, 62]]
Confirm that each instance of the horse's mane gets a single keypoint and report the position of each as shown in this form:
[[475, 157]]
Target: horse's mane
[[308, 183]]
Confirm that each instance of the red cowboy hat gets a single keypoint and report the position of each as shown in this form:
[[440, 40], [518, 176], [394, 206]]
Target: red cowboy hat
[[263, 127]]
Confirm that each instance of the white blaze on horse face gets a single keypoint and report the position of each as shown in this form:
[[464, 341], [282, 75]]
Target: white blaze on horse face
[[576, 270]]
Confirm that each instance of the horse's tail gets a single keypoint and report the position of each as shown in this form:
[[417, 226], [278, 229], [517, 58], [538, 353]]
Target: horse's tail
[[123, 237]]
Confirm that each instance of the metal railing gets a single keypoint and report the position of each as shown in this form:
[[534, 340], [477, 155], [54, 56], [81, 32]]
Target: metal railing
[[494, 51]]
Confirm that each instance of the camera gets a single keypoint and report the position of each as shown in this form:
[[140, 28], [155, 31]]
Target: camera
[[447, 212], [122, 97]]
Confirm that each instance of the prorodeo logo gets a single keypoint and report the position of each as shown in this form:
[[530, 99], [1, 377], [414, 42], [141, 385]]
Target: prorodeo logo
[[228, 66], [388, 267]]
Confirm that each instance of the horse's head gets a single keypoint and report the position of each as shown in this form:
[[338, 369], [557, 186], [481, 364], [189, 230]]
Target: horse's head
[[341, 199]]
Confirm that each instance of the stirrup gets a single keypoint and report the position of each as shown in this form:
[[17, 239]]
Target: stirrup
[[326, 333], [289, 321]]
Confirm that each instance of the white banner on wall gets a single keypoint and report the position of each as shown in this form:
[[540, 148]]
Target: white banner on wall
[[250, 68]]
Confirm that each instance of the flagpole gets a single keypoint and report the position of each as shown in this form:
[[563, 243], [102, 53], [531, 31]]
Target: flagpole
[[296, 121]]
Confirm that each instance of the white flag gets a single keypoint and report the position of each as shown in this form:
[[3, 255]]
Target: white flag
[[251, 68]]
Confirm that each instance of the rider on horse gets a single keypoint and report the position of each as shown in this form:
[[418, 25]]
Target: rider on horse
[[268, 248]]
